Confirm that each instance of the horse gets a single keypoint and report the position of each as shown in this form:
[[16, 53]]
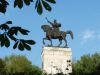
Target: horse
[[50, 34]]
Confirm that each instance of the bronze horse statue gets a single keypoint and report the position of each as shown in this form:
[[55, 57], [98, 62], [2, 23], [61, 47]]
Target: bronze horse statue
[[50, 34]]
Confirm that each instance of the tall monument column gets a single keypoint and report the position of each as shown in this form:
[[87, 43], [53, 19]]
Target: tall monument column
[[57, 60]]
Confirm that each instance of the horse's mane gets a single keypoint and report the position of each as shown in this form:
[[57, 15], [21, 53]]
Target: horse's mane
[[46, 26]]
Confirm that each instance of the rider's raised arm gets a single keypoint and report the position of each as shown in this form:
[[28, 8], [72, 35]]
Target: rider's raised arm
[[49, 21]]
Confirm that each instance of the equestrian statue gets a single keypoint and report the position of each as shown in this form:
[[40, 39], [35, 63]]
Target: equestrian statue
[[55, 33]]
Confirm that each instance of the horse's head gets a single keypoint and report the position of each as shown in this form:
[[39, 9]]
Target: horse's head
[[46, 28]]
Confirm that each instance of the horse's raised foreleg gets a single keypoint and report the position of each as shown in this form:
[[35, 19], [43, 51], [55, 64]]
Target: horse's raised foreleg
[[65, 43], [60, 42]]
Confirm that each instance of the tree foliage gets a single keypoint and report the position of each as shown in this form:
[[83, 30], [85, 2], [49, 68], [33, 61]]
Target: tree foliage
[[3, 6], [9, 33], [43, 3], [39, 4], [87, 65], [2, 66], [18, 65]]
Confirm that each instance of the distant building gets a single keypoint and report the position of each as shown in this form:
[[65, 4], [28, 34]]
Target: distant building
[[57, 60]]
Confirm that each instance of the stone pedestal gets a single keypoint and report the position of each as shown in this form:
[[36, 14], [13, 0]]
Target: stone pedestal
[[56, 60]]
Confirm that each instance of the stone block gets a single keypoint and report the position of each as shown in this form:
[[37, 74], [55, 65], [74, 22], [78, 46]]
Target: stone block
[[56, 60]]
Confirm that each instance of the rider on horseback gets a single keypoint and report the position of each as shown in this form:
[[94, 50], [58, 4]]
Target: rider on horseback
[[54, 33], [55, 25]]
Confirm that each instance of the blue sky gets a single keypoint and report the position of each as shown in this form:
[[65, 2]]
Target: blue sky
[[80, 16]]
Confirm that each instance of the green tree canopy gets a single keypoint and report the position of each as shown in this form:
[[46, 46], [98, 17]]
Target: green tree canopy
[[17, 64], [2, 65], [87, 65]]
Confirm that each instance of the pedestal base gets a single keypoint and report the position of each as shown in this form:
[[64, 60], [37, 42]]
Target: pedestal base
[[56, 60]]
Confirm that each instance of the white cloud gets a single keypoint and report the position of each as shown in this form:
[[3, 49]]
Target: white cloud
[[87, 35]]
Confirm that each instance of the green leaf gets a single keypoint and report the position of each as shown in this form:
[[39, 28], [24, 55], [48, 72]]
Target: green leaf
[[20, 46], [27, 2], [12, 31], [4, 2], [39, 8], [9, 22], [6, 41], [24, 31], [26, 46], [18, 3], [2, 43], [3, 6], [4, 27], [15, 3], [51, 1], [15, 45], [1, 37], [31, 42], [2, 40], [31, 0], [46, 5], [36, 4]]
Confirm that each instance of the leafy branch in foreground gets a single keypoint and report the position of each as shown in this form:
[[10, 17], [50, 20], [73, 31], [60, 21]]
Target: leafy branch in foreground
[[43, 3], [39, 4], [8, 33], [3, 6]]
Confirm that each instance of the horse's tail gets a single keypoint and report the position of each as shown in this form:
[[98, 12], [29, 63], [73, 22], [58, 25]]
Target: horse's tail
[[71, 33]]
